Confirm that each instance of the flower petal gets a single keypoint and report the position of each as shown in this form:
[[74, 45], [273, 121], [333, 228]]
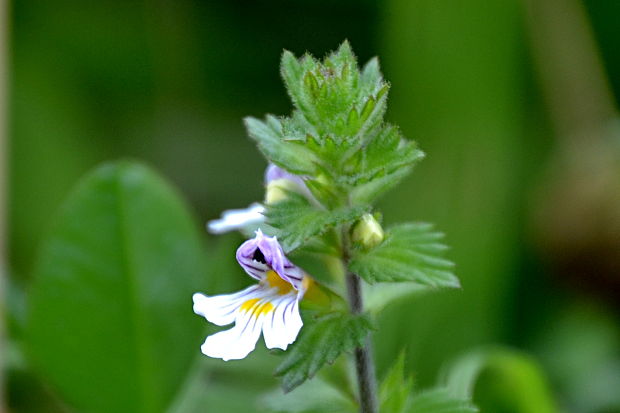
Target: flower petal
[[235, 219], [297, 183], [236, 343], [222, 309], [240, 340], [281, 327], [274, 172]]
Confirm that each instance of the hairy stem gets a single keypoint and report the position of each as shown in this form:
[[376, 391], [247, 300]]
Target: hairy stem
[[364, 363]]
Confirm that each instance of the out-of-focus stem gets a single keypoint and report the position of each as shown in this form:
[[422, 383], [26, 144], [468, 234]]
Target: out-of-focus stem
[[571, 71], [581, 237], [364, 363], [3, 174]]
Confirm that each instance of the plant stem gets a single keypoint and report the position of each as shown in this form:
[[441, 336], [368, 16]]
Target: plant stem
[[364, 363]]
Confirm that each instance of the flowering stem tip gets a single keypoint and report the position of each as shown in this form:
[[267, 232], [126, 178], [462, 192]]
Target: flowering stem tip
[[328, 164]]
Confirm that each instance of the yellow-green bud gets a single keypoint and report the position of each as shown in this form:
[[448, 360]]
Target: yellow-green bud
[[368, 232], [322, 179], [277, 190]]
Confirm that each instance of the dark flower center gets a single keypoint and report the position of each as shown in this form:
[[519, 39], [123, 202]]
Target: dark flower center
[[258, 256]]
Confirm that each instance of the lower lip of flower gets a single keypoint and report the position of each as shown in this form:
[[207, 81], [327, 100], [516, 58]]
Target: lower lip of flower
[[256, 308]]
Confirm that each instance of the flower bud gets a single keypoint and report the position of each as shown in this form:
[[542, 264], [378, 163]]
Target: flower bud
[[277, 190], [367, 232], [322, 179]]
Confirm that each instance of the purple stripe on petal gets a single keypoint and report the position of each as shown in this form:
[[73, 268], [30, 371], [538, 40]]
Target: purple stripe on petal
[[285, 310], [267, 250]]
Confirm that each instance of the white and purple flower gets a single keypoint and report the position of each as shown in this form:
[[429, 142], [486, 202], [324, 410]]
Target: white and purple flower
[[277, 182], [271, 306]]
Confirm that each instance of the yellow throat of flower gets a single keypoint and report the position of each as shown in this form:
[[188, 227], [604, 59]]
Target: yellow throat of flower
[[275, 281], [255, 308]]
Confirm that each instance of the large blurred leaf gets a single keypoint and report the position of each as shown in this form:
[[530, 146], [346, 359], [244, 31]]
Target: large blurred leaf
[[440, 400], [315, 396], [111, 325], [500, 379]]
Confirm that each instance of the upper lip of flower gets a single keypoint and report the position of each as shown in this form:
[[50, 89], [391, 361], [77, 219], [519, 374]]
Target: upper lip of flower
[[270, 256]]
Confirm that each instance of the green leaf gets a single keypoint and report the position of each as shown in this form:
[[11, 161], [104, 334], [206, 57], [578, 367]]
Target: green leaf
[[293, 73], [110, 323], [380, 161], [517, 380], [371, 80], [323, 192], [370, 191], [395, 388], [372, 109], [333, 96], [272, 143], [296, 220], [319, 343], [331, 152], [410, 252], [440, 401], [383, 154], [379, 295], [316, 396]]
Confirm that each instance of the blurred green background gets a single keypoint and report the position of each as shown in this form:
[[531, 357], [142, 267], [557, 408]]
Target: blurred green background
[[513, 101]]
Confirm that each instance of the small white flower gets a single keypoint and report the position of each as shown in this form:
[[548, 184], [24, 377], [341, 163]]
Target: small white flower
[[270, 307], [277, 182], [234, 219]]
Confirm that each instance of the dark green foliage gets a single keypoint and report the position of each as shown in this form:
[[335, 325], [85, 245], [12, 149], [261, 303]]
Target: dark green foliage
[[110, 316], [319, 343], [410, 252]]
